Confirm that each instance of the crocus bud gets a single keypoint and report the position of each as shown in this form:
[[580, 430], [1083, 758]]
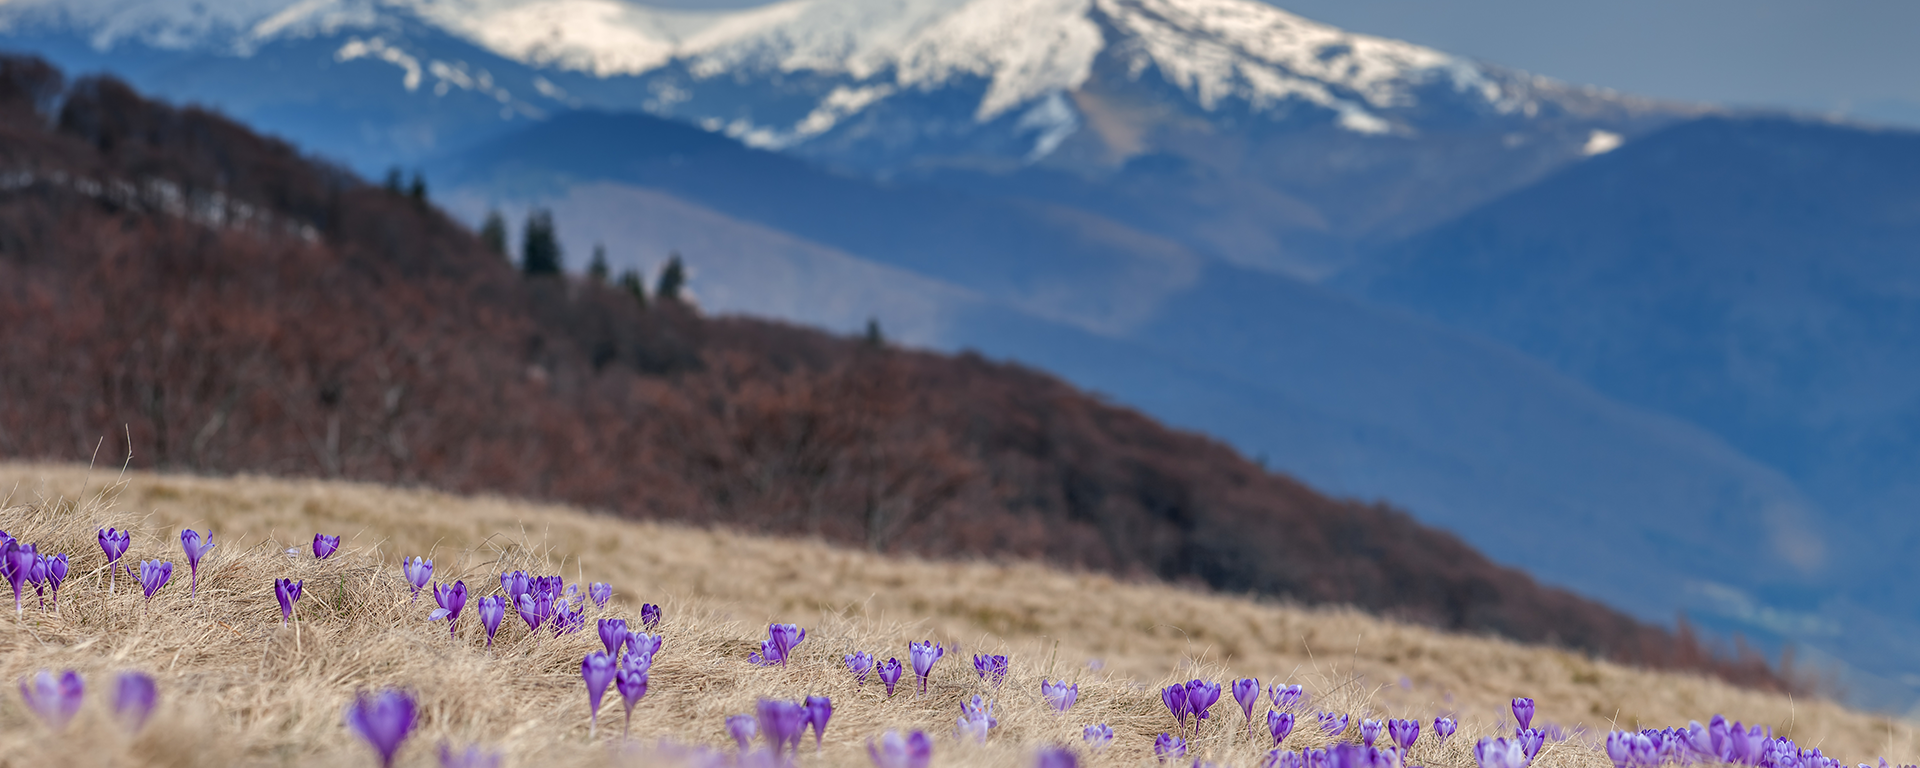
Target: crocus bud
[[1523, 711], [418, 573], [924, 654], [781, 723], [1168, 747], [1403, 732], [1246, 692], [819, 711], [384, 720], [1369, 731], [324, 545], [1279, 724], [860, 663], [1059, 695], [601, 592], [287, 591], [1201, 695], [597, 670], [133, 697], [743, 728], [1175, 697], [452, 600], [649, 617], [890, 673], [55, 700], [493, 608], [1443, 728], [1285, 696], [196, 548]]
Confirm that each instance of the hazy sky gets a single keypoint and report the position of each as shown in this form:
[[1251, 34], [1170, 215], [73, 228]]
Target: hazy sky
[[1855, 57]]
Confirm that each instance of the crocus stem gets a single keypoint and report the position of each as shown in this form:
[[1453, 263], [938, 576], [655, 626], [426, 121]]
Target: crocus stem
[[112, 571], [593, 725], [628, 725]]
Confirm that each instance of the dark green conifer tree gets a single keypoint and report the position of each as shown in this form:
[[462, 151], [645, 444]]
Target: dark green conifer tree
[[597, 267], [630, 282], [493, 233], [539, 245], [673, 280]]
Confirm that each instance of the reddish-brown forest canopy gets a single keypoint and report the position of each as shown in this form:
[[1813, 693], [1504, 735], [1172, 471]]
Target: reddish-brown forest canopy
[[174, 285]]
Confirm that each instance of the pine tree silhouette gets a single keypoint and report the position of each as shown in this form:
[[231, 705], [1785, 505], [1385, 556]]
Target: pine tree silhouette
[[597, 266], [539, 246], [673, 279]]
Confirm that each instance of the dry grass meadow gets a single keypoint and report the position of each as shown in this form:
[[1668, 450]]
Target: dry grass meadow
[[237, 689]]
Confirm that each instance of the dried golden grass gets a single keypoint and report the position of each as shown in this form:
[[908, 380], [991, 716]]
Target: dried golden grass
[[238, 689]]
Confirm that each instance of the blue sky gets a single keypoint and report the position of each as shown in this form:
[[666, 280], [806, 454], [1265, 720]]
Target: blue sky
[[1857, 58]]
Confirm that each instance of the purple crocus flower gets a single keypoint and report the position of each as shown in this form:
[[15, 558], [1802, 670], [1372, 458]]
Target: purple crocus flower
[[37, 575], [819, 711], [613, 634], [1279, 724], [197, 546], [57, 567], [642, 646], [776, 649], [1246, 692], [924, 654], [601, 592], [569, 616], [1531, 739], [992, 669], [1443, 728], [113, 543], [18, 561], [1201, 695], [533, 609], [631, 682], [515, 584], [133, 697], [1499, 753], [154, 574], [860, 663], [649, 616], [1098, 736], [1059, 695], [1055, 757], [781, 723], [597, 669], [1620, 748], [743, 728], [976, 718], [383, 719], [1333, 724], [324, 546], [1279, 759], [890, 674], [287, 591], [1523, 711], [493, 608], [1285, 696], [452, 600], [1403, 732], [472, 757], [55, 700], [1369, 731], [1175, 697], [418, 573], [1167, 747], [895, 751]]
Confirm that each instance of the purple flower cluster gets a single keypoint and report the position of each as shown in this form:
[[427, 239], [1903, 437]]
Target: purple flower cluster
[[992, 669], [1716, 742], [779, 645], [24, 564], [56, 699]]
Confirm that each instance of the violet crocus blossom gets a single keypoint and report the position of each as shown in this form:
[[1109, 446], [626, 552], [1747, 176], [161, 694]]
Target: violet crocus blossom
[[1098, 736], [1499, 753], [631, 682], [1532, 739], [992, 669], [890, 673], [976, 718], [533, 609], [452, 600], [1279, 725], [17, 560], [613, 634], [418, 573], [914, 750], [383, 719], [1201, 695], [601, 592], [1055, 757], [287, 591], [471, 757], [924, 654], [1285, 696], [324, 546], [492, 608], [1246, 692], [1280, 759], [569, 616], [743, 728], [197, 546], [819, 711], [1168, 747], [1369, 731], [154, 574], [1523, 711], [777, 648], [1443, 728], [1059, 695], [1175, 697], [57, 567], [649, 616], [113, 543], [37, 575], [1333, 724], [860, 663], [55, 699], [597, 670], [781, 723], [642, 646], [134, 695], [1403, 732]]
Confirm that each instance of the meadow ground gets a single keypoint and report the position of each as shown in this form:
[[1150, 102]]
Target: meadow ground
[[238, 689]]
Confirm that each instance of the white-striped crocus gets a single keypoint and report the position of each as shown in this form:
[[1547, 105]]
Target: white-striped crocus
[[418, 573], [1098, 736]]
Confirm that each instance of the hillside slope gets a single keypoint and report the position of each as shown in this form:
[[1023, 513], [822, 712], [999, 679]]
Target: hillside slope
[[218, 304], [245, 691]]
